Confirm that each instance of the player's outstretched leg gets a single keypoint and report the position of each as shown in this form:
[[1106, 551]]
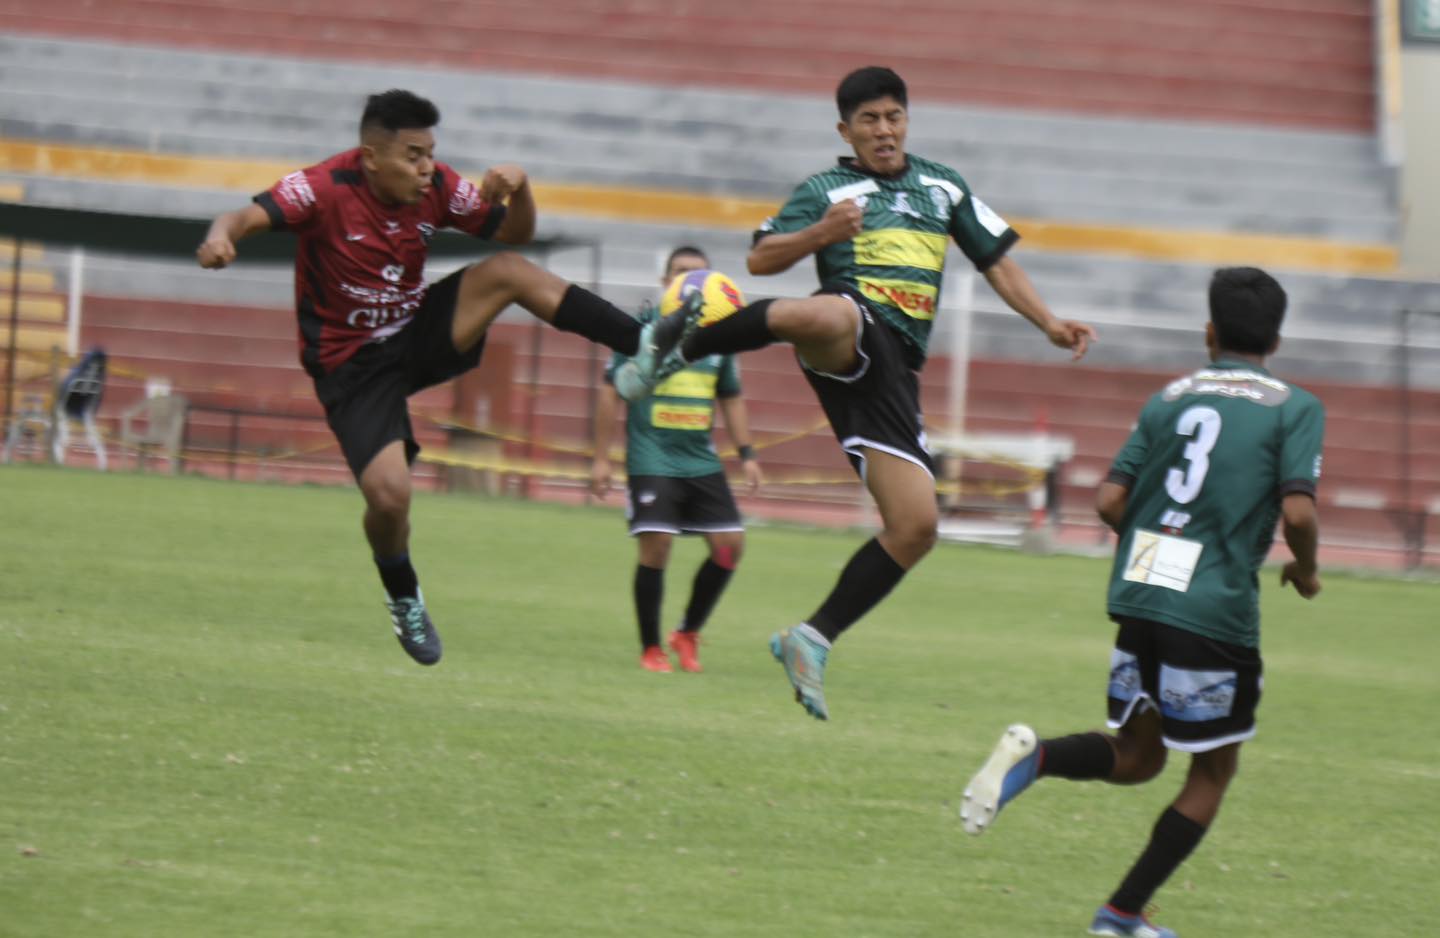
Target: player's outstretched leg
[[1009, 771], [803, 651], [1110, 921], [413, 627], [653, 361]]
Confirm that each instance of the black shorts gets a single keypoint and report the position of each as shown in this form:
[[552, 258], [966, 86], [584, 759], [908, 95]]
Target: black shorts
[[364, 398], [699, 505], [877, 405], [1205, 690]]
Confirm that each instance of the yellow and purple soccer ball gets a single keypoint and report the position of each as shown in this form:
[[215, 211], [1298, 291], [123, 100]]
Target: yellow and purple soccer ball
[[721, 296]]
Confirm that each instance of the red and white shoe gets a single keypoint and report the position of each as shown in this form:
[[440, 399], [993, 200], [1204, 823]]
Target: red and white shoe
[[655, 659], [687, 647]]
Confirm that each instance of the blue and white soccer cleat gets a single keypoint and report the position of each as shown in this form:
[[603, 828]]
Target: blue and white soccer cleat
[[1010, 770], [804, 661], [658, 356], [1119, 924], [413, 628]]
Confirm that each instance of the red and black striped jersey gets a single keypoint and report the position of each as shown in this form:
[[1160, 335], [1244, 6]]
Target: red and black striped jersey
[[359, 263]]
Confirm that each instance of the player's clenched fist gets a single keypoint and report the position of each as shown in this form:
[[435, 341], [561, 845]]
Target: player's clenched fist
[[842, 221], [500, 181], [215, 252]]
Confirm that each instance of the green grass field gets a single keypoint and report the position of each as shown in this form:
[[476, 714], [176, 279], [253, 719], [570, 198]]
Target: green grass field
[[207, 729]]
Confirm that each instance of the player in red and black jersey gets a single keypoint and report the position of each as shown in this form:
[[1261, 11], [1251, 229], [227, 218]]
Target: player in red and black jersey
[[372, 332]]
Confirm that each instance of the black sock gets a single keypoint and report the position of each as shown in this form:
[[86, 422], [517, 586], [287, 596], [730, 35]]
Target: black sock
[[398, 576], [586, 314], [649, 590], [869, 576], [1082, 756], [1175, 835], [741, 331], [710, 581]]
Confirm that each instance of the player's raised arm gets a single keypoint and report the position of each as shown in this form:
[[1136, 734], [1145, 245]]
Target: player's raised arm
[[1010, 281], [509, 184], [776, 253], [218, 248]]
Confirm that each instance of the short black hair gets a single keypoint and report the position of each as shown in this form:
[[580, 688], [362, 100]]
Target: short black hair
[[1247, 306], [398, 110], [684, 250], [868, 84]]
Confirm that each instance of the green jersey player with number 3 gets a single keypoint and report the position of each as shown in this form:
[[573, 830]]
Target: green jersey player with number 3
[[1215, 460]]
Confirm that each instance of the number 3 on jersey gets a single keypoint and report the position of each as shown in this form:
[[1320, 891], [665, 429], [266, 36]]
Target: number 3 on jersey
[[1203, 424]]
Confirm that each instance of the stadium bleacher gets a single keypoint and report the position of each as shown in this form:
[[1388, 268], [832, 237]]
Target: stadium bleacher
[[1133, 165]]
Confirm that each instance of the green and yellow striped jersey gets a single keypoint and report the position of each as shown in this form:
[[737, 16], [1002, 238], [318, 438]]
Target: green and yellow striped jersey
[[668, 433], [898, 260]]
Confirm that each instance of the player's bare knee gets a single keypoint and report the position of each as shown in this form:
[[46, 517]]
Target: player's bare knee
[[911, 538], [727, 553], [505, 269], [388, 496]]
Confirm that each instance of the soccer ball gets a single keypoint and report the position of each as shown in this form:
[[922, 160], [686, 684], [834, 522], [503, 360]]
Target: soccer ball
[[721, 297]]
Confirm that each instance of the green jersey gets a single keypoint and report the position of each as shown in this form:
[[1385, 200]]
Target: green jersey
[[898, 259], [668, 433], [1207, 466]]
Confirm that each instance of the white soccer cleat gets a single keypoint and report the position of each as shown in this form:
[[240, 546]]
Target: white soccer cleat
[[1010, 770]]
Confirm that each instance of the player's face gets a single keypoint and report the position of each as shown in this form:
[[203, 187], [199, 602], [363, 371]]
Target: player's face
[[401, 166], [877, 131], [682, 265]]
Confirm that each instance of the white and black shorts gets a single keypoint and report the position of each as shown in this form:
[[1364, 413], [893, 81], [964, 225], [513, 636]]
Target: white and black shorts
[[667, 505], [877, 405], [1206, 691]]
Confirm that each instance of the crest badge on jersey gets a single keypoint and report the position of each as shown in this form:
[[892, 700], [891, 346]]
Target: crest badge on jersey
[[941, 200]]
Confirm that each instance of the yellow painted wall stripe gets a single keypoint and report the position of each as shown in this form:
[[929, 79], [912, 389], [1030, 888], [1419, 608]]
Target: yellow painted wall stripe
[[657, 206]]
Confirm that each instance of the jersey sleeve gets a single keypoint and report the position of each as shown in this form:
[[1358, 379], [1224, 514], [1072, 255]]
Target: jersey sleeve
[[727, 382], [1127, 464], [982, 235], [464, 210], [296, 202], [1304, 436], [805, 208]]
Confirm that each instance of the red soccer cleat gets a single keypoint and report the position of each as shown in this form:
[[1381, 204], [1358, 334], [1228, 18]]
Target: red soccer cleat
[[655, 659], [687, 646]]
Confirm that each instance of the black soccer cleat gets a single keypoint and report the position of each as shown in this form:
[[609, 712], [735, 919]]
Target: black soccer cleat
[[413, 628]]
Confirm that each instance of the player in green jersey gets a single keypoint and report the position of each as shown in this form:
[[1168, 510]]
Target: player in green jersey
[[878, 224], [1215, 460], [676, 482]]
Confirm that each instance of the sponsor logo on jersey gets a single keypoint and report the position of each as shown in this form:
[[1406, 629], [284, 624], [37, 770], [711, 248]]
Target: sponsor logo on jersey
[[900, 247], [688, 383], [680, 416], [916, 300], [295, 189], [465, 199]]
